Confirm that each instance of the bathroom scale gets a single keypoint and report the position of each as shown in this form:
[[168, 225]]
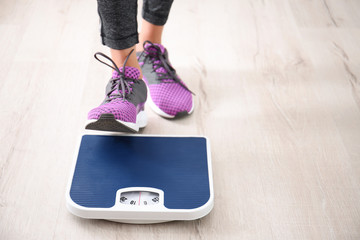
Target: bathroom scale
[[141, 178]]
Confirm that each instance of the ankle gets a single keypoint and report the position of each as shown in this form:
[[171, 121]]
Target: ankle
[[149, 32], [142, 39], [119, 56]]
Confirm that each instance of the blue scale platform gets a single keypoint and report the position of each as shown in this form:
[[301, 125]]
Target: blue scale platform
[[176, 165]]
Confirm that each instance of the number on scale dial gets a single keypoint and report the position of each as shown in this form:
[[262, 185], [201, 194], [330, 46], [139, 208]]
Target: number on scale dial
[[139, 198]]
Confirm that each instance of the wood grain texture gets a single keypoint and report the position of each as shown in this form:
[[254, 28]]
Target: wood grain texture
[[277, 88]]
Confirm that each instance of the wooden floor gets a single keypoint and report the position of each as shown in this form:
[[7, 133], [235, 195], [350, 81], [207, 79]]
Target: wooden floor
[[277, 88]]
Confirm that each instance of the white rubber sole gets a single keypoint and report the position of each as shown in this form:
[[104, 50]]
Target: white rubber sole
[[160, 112], [107, 122]]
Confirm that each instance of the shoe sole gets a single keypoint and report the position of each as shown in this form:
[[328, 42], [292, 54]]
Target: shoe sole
[[107, 122], [160, 112]]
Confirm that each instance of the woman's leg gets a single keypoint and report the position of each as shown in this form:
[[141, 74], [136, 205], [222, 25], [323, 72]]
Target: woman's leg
[[149, 32], [169, 96], [123, 107], [118, 19], [155, 14]]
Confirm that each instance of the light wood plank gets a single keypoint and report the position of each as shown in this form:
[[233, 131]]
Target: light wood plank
[[277, 92]]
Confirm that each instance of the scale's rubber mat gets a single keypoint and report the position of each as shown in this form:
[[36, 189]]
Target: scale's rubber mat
[[176, 165]]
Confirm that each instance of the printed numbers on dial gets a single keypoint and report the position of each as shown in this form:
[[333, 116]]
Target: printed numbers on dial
[[139, 198]]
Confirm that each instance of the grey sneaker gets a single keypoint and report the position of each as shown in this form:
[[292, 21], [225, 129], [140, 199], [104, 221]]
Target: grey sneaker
[[123, 107]]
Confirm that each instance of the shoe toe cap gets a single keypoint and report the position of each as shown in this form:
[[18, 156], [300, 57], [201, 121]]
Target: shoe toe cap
[[123, 111], [171, 98]]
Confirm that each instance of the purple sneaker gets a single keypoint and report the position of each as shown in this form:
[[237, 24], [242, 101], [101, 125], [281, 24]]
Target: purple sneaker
[[169, 96], [123, 107]]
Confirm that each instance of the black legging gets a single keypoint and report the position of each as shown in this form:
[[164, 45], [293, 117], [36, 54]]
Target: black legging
[[118, 19]]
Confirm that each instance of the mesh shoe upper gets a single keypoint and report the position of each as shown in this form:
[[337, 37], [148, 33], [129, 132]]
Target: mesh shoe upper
[[123, 99], [167, 90], [171, 98]]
